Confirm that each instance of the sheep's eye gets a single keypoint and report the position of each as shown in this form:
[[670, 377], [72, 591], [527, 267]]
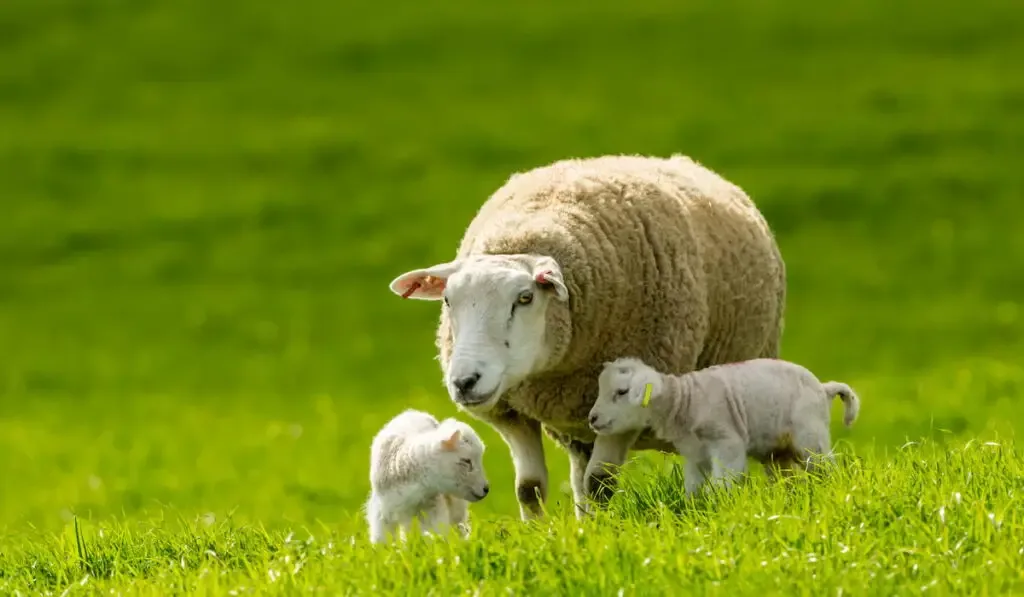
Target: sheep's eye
[[622, 392], [525, 297], [466, 462]]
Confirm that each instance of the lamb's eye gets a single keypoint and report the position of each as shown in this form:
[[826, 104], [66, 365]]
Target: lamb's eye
[[525, 297], [466, 462], [620, 393]]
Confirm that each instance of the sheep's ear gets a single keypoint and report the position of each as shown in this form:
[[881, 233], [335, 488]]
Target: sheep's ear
[[451, 442], [426, 284], [548, 275], [640, 395]]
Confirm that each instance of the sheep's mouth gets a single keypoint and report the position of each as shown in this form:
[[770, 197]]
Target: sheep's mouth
[[474, 399]]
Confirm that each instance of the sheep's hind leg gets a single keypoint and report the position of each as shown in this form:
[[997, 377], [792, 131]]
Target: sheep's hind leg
[[381, 527], [525, 442], [812, 444], [610, 453], [579, 456], [779, 465]]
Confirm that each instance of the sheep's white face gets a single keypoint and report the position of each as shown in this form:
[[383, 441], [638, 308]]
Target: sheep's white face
[[620, 395], [497, 307], [457, 465]]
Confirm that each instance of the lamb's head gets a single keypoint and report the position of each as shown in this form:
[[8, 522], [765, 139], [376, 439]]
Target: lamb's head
[[498, 310], [622, 385], [457, 464]]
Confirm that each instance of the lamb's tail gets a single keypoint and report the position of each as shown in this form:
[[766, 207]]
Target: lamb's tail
[[851, 402]]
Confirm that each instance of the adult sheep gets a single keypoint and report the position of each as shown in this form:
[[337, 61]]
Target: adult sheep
[[580, 262]]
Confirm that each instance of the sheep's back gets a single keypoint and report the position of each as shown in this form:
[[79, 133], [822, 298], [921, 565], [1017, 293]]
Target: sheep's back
[[639, 240]]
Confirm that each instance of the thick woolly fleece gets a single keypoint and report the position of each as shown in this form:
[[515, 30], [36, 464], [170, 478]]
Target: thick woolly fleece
[[778, 409], [664, 260], [401, 489]]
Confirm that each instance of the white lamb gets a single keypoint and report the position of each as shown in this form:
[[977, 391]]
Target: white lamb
[[424, 470], [769, 409]]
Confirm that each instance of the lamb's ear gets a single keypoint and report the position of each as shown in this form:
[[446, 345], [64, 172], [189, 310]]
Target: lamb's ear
[[425, 284], [639, 395], [451, 443], [548, 275]]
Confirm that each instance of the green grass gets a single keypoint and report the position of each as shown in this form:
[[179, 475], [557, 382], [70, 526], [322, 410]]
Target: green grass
[[918, 519], [202, 203]]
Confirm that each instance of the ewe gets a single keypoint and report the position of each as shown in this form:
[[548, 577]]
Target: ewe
[[558, 262]]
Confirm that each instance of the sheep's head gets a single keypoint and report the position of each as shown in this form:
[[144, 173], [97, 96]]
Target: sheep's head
[[457, 461], [622, 385], [498, 314]]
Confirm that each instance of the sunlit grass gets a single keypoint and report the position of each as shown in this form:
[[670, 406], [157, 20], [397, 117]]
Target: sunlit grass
[[944, 519], [202, 204]]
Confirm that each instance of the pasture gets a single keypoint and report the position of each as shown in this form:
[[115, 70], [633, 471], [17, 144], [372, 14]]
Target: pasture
[[202, 204]]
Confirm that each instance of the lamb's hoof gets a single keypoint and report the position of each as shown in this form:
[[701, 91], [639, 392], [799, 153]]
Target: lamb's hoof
[[600, 488]]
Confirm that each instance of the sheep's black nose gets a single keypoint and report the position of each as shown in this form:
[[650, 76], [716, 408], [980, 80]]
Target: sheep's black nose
[[487, 489], [593, 419], [465, 384]]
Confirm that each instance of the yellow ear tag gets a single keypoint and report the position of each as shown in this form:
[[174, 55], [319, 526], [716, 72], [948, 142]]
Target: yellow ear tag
[[647, 395]]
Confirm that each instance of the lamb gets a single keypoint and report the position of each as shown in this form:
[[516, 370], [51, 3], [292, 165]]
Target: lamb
[[772, 410], [558, 264], [424, 470]]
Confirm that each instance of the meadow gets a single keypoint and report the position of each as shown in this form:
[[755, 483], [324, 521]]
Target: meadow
[[202, 204]]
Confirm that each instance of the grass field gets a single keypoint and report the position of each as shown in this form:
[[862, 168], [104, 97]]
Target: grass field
[[202, 204]]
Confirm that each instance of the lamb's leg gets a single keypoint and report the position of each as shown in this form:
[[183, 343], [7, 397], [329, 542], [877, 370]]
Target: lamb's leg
[[813, 445], [434, 520], [728, 461], [525, 442], [380, 530], [696, 466], [695, 473], [379, 526], [458, 513], [610, 453], [779, 465]]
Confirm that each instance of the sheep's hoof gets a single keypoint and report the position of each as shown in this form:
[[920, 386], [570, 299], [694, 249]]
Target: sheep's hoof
[[531, 496], [600, 487], [582, 510]]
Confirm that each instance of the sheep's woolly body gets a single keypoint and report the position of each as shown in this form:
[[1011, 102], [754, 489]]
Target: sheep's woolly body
[[663, 259], [777, 409], [399, 489]]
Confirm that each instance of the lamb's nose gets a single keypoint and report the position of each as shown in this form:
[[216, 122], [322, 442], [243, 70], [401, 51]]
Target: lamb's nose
[[593, 419], [465, 384], [487, 489]]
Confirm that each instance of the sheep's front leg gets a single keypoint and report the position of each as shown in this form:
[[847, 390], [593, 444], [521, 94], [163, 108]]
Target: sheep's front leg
[[610, 453], [728, 461], [694, 474], [458, 514], [525, 442]]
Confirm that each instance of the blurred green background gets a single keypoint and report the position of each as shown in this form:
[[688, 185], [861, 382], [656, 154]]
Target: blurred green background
[[202, 203]]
